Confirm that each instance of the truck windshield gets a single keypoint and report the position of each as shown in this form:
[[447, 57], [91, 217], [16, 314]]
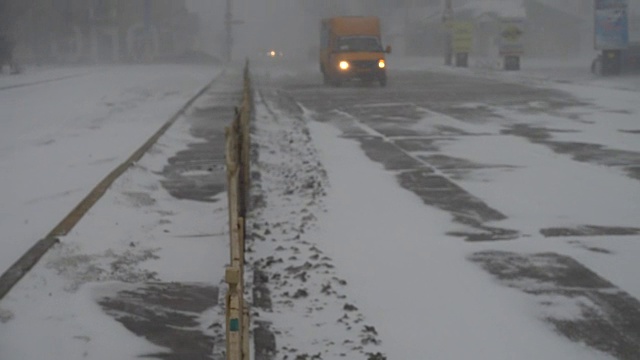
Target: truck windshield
[[359, 43]]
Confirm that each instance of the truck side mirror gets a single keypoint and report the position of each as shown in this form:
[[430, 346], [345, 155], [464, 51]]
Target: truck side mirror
[[388, 49]]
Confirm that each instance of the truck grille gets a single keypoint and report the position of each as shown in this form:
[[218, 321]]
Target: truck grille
[[365, 64]]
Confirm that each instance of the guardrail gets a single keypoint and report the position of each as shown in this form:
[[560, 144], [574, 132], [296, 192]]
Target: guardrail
[[237, 153]]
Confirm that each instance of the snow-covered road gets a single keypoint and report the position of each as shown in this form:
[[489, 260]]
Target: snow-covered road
[[358, 263], [549, 167]]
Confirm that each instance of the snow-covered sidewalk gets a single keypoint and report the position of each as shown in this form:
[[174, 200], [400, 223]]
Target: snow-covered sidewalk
[[64, 129], [141, 259]]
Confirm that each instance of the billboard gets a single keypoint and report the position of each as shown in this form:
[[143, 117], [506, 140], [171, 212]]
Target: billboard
[[462, 37], [611, 24], [511, 36]]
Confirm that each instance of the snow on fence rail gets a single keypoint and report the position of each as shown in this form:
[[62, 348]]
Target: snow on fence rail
[[237, 160]]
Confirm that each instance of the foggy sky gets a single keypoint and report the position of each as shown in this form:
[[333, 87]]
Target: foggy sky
[[292, 26]]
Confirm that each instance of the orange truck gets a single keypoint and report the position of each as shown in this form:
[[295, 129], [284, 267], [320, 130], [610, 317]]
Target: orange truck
[[350, 48]]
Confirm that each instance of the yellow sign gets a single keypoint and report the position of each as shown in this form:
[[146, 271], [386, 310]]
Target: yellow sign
[[512, 37], [462, 37], [512, 33]]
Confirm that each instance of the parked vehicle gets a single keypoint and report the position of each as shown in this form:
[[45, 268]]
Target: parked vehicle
[[351, 48]]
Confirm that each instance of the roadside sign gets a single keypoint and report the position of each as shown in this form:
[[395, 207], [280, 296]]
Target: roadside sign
[[611, 24], [462, 37], [511, 36]]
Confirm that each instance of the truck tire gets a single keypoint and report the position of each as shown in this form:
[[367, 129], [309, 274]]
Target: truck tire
[[596, 66], [325, 79], [383, 81]]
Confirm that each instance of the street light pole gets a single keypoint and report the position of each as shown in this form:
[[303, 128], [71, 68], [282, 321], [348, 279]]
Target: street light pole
[[447, 20], [147, 31], [228, 22]]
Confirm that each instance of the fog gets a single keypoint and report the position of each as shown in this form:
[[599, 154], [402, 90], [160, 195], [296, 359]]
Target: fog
[[289, 26], [412, 27], [77, 31]]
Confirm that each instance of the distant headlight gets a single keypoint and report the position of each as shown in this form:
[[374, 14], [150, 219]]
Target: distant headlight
[[272, 53], [344, 65], [381, 64]]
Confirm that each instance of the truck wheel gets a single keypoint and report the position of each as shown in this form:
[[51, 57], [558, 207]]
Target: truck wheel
[[325, 76], [596, 66], [325, 79]]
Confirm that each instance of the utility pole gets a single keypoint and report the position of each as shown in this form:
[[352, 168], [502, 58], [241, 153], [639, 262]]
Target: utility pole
[[447, 20], [333, 8], [148, 43], [228, 22]]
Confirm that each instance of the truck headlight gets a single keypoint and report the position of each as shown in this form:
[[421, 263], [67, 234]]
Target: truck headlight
[[381, 64], [344, 65]]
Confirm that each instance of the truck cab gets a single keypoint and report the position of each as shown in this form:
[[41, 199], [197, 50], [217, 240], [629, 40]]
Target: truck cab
[[351, 48]]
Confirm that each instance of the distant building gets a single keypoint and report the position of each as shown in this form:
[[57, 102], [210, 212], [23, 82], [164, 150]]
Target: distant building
[[101, 30], [560, 28]]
